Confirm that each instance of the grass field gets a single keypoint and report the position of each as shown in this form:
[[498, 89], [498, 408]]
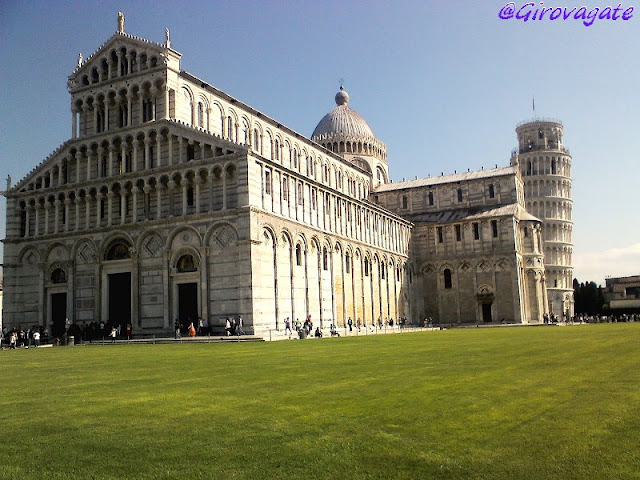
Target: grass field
[[479, 403]]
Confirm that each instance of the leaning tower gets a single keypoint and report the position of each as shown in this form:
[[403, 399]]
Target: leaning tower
[[545, 165]]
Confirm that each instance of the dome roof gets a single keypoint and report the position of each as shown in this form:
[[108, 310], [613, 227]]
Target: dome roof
[[342, 121]]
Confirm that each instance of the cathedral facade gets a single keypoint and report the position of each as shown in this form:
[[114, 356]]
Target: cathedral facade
[[173, 200]]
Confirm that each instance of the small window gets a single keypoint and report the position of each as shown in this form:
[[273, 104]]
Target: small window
[[325, 259], [447, 278], [459, 195], [492, 192], [200, 115], [526, 232], [440, 235], [186, 263], [430, 198], [366, 267], [300, 194], [476, 231], [405, 202], [58, 276], [191, 152], [494, 228], [347, 263], [190, 197], [267, 183], [285, 188], [299, 255], [458, 233]]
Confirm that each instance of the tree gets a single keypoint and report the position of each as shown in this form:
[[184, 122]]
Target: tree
[[588, 297]]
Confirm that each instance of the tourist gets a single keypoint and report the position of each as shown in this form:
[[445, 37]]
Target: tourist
[[113, 334], [129, 335], [36, 338], [192, 330], [350, 323], [227, 326], [318, 333], [176, 325], [287, 326], [240, 322]]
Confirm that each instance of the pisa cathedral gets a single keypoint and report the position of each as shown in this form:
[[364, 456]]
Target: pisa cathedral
[[174, 200]]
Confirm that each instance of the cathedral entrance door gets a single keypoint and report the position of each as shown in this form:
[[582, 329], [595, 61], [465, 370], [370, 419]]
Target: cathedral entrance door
[[188, 304], [486, 313], [58, 313], [120, 300]]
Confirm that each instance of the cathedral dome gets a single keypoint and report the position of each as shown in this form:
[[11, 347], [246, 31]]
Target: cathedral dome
[[342, 121]]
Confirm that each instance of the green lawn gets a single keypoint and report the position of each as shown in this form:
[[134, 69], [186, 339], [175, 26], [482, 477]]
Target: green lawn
[[476, 403]]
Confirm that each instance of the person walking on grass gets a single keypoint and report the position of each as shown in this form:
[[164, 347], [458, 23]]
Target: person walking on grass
[[113, 334]]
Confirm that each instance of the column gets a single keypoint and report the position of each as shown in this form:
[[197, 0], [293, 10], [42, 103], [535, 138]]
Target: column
[[158, 150], [146, 154], [170, 141], [26, 226], [89, 164], [78, 200], [224, 190], [184, 185], [77, 167], [74, 123], [99, 197], [123, 209], [67, 202], [198, 182], [134, 155], [110, 165], [159, 200], [123, 153], [36, 227], [109, 207], [134, 194], [57, 216]]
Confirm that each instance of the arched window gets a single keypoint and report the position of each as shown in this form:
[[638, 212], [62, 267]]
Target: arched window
[[347, 262], [325, 259], [186, 263], [200, 115], [366, 267], [58, 276], [447, 278], [256, 140], [299, 255], [118, 251]]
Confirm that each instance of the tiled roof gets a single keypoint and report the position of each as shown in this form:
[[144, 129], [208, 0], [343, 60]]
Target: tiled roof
[[456, 177]]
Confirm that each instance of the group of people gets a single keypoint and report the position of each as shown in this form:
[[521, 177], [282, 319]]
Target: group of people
[[17, 337], [233, 326], [583, 318], [191, 328]]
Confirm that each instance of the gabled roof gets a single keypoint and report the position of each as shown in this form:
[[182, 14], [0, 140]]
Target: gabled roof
[[455, 178], [468, 214]]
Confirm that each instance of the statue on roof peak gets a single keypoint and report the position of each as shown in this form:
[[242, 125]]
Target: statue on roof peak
[[120, 22]]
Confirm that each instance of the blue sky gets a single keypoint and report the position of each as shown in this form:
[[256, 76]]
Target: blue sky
[[443, 83]]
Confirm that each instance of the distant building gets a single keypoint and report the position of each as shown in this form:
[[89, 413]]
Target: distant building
[[623, 293], [173, 200]]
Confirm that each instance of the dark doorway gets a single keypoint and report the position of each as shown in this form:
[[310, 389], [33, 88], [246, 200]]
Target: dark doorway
[[58, 313], [120, 300], [188, 304], [486, 313]]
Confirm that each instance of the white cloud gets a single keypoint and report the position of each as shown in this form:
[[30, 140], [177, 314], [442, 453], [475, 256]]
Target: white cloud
[[614, 262]]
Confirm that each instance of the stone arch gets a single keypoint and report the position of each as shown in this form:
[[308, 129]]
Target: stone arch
[[29, 255], [188, 236], [221, 235]]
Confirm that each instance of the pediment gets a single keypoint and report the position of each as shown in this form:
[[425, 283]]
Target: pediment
[[142, 54]]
